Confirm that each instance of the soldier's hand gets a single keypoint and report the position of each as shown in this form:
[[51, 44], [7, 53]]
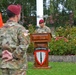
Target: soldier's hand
[[6, 55], [26, 33]]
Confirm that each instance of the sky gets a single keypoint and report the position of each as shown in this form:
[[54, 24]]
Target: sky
[[47, 3], [60, 6]]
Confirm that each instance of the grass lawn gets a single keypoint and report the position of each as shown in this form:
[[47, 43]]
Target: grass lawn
[[58, 68]]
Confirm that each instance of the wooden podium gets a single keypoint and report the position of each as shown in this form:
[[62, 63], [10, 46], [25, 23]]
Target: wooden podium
[[40, 41]]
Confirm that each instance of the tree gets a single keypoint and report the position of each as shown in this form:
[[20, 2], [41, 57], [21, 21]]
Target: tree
[[28, 7], [62, 17]]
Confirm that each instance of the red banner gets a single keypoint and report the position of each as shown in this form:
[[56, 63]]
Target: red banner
[[1, 21]]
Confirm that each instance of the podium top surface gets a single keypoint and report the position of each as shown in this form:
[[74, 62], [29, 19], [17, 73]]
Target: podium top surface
[[41, 37]]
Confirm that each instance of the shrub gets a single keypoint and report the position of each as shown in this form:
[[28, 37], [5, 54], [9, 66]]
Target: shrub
[[65, 42], [58, 47], [31, 46]]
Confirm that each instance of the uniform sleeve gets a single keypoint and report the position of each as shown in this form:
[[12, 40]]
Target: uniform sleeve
[[23, 43], [47, 29]]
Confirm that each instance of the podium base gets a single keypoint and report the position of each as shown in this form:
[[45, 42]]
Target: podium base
[[49, 67]]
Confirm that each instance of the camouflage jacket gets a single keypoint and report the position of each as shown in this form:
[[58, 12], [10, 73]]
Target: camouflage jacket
[[45, 29], [17, 43]]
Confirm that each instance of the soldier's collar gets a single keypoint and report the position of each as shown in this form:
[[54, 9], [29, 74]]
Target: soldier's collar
[[10, 23]]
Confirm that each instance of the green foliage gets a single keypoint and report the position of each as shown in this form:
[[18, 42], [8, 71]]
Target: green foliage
[[31, 46], [31, 29], [73, 32], [62, 17], [27, 7], [60, 47], [60, 31], [65, 42]]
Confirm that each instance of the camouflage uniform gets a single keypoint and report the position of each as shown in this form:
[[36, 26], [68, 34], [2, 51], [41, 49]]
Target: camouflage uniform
[[45, 29], [17, 43]]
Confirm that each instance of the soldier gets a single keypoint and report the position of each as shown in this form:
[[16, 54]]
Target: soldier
[[43, 28], [14, 41]]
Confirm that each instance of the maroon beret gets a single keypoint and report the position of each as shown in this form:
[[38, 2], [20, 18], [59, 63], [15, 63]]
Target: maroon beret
[[16, 9], [41, 21]]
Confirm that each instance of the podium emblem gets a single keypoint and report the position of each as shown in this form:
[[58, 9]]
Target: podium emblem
[[41, 56]]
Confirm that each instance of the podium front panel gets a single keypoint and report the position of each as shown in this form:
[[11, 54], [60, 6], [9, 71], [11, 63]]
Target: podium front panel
[[40, 37], [41, 44]]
